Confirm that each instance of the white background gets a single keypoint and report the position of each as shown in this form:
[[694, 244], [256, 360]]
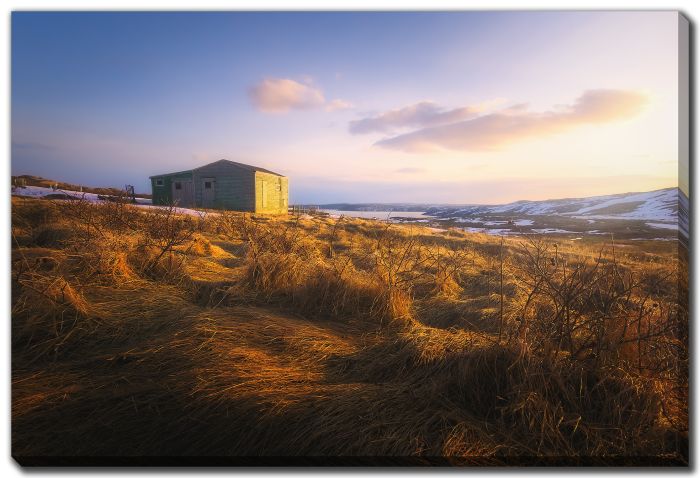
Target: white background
[[8, 466]]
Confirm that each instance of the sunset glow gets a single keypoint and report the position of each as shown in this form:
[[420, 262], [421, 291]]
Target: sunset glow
[[470, 107]]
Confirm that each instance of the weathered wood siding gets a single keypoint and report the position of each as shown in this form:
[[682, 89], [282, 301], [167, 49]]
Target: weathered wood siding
[[271, 193], [163, 195], [234, 186]]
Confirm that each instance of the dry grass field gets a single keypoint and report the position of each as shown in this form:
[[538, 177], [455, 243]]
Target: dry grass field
[[140, 332]]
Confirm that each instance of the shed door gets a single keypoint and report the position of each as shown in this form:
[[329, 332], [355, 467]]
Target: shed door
[[183, 193], [208, 192], [263, 194], [283, 198]]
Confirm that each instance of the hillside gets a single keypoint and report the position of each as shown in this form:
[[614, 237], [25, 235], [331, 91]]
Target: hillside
[[38, 181], [661, 214], [661, 205], [647, 215], [141, 332]]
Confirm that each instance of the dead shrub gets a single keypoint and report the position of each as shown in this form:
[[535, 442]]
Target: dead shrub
[[49, 315], [153, 263], [166, 240], [29, 213], [55, 236], [199, 246], [345, 293]]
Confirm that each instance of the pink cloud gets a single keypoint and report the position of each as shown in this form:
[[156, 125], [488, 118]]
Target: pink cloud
[[281, 95], [495, 130], [423, 114], [338, 104]]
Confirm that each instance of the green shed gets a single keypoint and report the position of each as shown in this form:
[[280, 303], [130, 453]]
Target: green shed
[[224, 185]]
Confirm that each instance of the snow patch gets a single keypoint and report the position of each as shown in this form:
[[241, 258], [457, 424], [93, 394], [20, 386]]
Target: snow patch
[[551, 230], [39, 192], [662, 225]]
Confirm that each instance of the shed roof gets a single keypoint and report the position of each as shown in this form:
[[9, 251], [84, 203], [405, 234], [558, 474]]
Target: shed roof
[[225, 161]]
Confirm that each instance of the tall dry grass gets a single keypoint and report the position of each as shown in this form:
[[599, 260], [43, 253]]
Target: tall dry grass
[[151, 333]]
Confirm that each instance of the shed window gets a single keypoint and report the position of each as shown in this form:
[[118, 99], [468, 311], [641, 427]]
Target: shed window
[[207, 184], [159, 182], [178, 185]]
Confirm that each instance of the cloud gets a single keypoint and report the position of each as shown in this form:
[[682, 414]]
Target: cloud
[[493, 131], [423, 114], [281, 95], [410, 170], [338, 104]]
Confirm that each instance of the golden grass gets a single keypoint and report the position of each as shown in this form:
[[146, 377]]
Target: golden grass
[[146, 334]]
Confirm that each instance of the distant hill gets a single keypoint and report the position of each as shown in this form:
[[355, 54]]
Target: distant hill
[[377, 207], [30, 180], [654, 214], [659, 214], [659, 205]]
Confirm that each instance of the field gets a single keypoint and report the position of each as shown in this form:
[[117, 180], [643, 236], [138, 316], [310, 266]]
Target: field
[[139, 332]]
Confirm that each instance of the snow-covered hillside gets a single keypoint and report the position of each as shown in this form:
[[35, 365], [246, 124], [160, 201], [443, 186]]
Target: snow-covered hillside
[[42, 192], [661, 205], [661, 214]]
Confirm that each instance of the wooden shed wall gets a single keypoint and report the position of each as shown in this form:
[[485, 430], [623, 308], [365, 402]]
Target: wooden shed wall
[[237, 188], [234, 186], [163, 195], [271, 193]]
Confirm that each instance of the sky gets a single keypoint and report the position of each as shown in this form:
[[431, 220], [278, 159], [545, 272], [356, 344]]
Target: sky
[[451, 107]]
